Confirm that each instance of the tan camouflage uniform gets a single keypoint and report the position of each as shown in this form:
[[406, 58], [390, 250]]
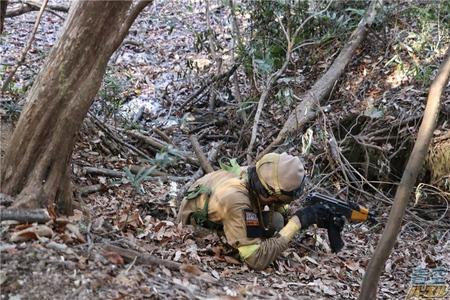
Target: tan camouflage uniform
[[236, 209]]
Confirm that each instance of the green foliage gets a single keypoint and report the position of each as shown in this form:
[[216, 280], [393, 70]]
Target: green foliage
[[166, 156], [136, 179], [267, 47], [110, 95], [12, 89], [424, 46], [12, 109], [163, 158]]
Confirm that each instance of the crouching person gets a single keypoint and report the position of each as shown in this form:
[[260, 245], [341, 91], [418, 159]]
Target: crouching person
[[234, 202]]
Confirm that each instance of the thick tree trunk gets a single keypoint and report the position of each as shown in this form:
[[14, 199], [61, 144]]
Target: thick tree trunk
[[36, 166]]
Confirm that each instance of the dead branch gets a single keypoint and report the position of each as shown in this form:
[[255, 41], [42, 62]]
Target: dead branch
[[163, 135], [25, 216], [110, 148], [212, 154], [323, 86], [29, 6], [109, 131], [200, 155], [119, 174], [141, 258], [102, 187], [135, 169], [225, 75], [25, 51], [93, 189], [103, 172], [159, 145]]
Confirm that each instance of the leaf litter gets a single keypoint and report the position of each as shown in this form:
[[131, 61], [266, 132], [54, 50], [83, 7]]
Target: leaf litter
[[67, 260]]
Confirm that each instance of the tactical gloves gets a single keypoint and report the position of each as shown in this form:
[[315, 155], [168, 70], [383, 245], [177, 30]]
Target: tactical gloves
[[321, 215], [314, 214]]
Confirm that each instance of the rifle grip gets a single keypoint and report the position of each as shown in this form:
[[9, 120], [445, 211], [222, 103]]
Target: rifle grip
[[334, 236]]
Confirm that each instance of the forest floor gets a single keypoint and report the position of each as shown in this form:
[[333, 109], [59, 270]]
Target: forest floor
[[75, 257]]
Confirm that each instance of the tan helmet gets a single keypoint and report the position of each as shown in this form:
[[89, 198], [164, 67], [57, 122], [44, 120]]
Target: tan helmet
[[281, 175]]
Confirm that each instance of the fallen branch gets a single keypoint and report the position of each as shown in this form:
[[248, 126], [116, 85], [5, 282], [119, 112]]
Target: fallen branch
[[160, 145], [163, 135], [212, 154], [25, 216], [323, 86], [110, 132], [119, 174], [225, 75], [93, 189], [140, 258], [29, 6], [200, 155]]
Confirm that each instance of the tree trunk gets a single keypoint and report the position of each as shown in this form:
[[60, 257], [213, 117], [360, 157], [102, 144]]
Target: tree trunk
[[3, 5], [36, 166], [384, 248]]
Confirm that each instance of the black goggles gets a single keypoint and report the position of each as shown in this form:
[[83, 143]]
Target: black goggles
[[297, 192]]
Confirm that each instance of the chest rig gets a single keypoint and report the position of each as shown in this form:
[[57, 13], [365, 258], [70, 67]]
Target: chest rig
[[201, 216]]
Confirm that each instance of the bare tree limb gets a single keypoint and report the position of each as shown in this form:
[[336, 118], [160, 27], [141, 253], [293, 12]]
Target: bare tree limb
[[160, 145], [200, 155], [118, 174], [141, 258], [29, 6], [25, 216], [212, 154], [203, 87]]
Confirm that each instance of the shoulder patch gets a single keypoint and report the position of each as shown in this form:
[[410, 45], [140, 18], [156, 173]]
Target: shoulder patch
[[252, 224]]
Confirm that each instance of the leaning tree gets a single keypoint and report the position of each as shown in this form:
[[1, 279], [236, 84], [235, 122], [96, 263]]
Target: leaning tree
[[36, 166]]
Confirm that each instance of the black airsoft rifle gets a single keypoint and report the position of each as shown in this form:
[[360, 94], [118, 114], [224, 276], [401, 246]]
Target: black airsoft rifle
[[339, 209]]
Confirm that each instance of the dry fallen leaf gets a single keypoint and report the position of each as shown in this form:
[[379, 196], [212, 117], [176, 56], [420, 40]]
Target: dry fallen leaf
[[31, 233], [190, 269], [231, 260], [113, 257], [352, 265], [74, 229]]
